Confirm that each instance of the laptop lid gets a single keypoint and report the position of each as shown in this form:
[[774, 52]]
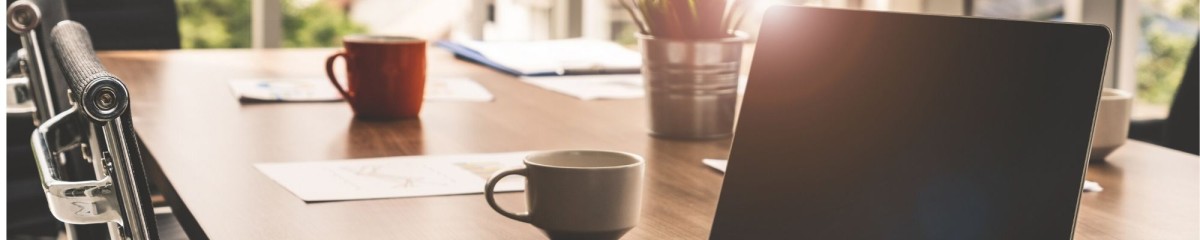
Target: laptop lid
[[875, 125]]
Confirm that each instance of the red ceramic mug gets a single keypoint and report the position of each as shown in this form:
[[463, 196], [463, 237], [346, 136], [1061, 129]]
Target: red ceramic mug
[[385, 75]]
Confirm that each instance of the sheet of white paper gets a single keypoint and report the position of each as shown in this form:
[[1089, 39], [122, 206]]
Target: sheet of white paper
[[721, 164], [284, 90], [318, 89], [456, 89], [742, 80], [554, 55], [1090, 186], [393, 177], [717, 164], [593, 87]]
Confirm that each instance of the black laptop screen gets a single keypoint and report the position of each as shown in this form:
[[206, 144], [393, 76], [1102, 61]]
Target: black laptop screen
[[872, 125]]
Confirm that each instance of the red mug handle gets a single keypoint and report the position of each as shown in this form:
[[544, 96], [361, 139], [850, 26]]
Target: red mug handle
[[333, 79]]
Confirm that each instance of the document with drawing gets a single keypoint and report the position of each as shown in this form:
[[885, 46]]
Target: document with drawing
[[391, 177]]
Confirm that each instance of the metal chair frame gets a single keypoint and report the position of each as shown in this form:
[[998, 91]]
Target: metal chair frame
[[95, 133]]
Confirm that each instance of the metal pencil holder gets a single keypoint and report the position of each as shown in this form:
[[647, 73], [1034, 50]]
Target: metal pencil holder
[[691, 85]]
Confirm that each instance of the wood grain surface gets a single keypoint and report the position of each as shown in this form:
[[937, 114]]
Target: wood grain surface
[[205, 142]]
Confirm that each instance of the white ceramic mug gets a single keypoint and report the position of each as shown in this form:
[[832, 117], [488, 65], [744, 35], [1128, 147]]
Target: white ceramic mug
[[1112, 122], [578, 194]]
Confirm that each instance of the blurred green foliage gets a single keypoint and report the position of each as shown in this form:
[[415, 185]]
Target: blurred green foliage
[[214, 23], [1159, 72], [1161, 68], [316, 25], [226, 24]]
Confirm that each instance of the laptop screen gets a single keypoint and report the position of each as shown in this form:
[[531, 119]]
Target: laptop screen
[[873, 125]]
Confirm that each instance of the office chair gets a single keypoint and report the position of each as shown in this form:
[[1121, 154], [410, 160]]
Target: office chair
[[24, 185], [123, 24], [114, 25], [1180, 130], [87, 154]]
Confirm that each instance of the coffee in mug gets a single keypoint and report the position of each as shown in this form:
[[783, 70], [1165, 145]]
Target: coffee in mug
[[385, 75], [578, 194]]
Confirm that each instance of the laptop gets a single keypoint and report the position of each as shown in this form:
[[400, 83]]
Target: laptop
[[876, 125]]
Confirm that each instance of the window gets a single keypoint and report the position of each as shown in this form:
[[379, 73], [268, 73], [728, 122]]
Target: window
[[1169, 31], [1152, 37], [1041, 10], [228, 23]]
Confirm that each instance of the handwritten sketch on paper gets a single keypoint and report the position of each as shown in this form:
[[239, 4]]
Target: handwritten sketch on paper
[[390, 177]]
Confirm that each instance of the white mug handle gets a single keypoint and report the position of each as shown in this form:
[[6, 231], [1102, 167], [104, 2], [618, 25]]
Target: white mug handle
[[489, 190]]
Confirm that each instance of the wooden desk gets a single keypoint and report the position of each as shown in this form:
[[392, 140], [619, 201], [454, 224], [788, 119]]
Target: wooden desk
[[206, 143]]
